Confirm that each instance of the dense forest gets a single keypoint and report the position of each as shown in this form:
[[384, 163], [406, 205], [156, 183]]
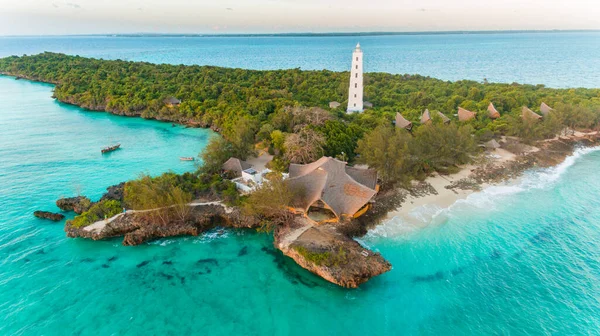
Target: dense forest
[[287, 111]]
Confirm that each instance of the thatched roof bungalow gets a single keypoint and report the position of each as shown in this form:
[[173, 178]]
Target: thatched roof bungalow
[[172, 101], [426, 117], [235, 166], [402, 122], [465, 115], [492, 112], [545, 109], [528, 114], [329, 183], [492, 144]]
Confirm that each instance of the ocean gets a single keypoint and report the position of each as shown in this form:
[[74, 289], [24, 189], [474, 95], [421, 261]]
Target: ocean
[[521, 258], [560, 59]]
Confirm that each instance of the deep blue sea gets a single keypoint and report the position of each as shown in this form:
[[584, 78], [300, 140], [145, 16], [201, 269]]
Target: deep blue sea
[[511, 260]]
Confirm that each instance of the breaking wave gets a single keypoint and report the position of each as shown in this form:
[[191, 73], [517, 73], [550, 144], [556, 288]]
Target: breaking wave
[[487, 199]]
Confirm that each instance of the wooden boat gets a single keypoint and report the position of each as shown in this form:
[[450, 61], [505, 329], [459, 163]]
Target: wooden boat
[[111, 148], [186, 158]]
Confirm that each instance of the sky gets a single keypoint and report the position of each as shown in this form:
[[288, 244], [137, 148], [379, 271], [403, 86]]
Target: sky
[[58, 17]]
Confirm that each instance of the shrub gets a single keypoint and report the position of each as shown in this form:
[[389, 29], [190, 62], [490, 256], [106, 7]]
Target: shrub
[[98, 211], [329, 258]]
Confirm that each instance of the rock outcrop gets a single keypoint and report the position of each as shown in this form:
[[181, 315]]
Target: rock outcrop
[[77, 204], [49, 215], [330, 254], [137, 229], [115, 192]]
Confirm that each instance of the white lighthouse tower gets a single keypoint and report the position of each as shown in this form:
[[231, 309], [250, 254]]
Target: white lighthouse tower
[[355, 94]]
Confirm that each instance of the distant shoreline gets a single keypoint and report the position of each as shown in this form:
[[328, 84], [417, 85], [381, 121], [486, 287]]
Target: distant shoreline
[[331, 34]]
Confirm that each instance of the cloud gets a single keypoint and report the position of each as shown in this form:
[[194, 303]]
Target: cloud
[[229, 8], [140, 9], [73, 5], [422, 10], [54, 5]]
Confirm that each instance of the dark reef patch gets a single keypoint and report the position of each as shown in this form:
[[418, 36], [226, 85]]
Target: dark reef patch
[[165, 275], [208, 261], [429, 278], [143, 263]]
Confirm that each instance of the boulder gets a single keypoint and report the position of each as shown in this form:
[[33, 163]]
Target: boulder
[[77, 204], [49, 215], [114, 192]]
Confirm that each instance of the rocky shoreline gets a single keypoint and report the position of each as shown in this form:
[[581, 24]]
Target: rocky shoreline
[[135, 230], [321, 250], [329, 250]]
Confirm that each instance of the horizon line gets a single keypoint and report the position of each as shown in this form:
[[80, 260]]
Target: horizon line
[[324, 34]]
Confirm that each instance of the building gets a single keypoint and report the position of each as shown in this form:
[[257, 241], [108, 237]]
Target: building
[[465, 115], [245, 177], [329, 190], [334, 105], [172, 101], [545, 109], [235, 166], [529, 115], [251, 174], [355, 92], [426, 117], [492, 112], [402, 122]]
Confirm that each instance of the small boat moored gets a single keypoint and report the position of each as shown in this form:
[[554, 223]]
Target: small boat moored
[[191, 158], [110, 148]]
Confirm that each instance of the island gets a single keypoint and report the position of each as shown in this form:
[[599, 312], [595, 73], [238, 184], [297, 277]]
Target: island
[[291, 161]]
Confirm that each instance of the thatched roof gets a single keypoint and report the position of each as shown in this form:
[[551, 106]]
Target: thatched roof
[[402, 122], [172, 101], [344, 190], [528, 114], [492, 112], [334, 104], [465, 115], [236, 166], [443, 116], [545, 109], [368, 104], [426, 117], [492, 144]]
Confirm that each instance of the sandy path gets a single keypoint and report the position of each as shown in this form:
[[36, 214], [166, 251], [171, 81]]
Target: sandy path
[[101, 224], [295, 234]]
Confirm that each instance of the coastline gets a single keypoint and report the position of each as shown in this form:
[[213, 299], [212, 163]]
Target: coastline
[[498, 167], [444, 193]]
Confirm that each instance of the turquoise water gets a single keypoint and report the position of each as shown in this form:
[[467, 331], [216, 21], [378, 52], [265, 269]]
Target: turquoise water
[[554, 59], [517, 259]]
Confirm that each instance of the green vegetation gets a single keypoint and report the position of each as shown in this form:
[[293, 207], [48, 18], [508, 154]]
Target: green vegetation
[[270, 203], [286, 111], [99, 211], [162, 196], [324, 258]]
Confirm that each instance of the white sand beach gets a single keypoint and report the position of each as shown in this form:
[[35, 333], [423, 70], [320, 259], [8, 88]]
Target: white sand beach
[[445, 197]]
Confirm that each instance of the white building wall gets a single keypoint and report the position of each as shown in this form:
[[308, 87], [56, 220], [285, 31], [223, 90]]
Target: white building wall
[[355, 93]]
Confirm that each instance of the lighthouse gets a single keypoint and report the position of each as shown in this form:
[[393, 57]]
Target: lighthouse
[[355, 93]]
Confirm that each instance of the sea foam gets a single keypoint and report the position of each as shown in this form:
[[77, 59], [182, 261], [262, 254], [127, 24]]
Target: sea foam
[[486, 199]]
